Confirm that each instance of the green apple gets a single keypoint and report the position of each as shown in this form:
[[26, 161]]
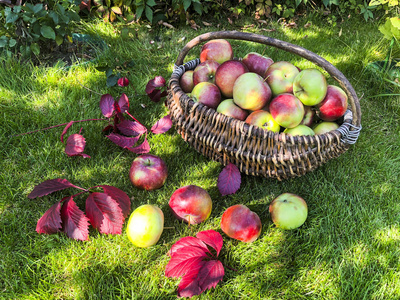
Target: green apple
[[310, 86], [288, 211], [263, 119], [325, 127], [280, 76], [145, 225], [299, 130]]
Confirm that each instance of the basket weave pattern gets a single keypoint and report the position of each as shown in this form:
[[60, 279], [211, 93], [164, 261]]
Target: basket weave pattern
[[253, 150]]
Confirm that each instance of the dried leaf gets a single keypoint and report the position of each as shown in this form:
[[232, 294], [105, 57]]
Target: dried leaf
[[50, 222], [123, 141], [107, 105], [51, 186], [65, 130], [76, 145], [74, 222], [166, 24], [131, 128], [120, 196], [162, 125], [206, 23], [229, 180]]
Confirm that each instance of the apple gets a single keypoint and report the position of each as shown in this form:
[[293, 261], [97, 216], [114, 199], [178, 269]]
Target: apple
[[310, 86], [299, 130], [334, 105], [257, 63], [288, 211], [239, 222], [263, 119], [205, 71], [280, 76], [148, 172], [251, 92], [230, 109], [191, 203], [145, 226], [186, 81], [309, 115], [207, 93], [325, 127], [219, 50], [226, 75], [287, 110]]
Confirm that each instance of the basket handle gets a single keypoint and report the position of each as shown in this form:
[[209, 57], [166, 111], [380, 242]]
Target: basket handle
[[288, 47]]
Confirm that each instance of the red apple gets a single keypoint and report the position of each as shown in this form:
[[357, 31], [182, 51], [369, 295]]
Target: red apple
[[288, 211], [148, 172], [205, 72], [207, 93], [325, 127], [263, 119], [239, 222], [219, 50], [310, 86], [334, 104], [287, 110], [230, 109], [280, 76], [186, 81], [191, 203], [226, 75], [257, 63], [299, 130], [308, 118], [251, 92]]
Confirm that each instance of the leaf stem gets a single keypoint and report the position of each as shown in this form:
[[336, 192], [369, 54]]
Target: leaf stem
[[134, 118]]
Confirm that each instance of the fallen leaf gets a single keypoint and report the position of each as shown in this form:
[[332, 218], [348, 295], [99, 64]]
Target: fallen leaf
[[229, 180]]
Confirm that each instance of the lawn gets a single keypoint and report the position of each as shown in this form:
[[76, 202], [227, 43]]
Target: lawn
[[348, 248]]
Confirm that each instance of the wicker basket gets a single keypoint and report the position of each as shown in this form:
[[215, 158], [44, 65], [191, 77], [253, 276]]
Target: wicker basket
[[253, 150]]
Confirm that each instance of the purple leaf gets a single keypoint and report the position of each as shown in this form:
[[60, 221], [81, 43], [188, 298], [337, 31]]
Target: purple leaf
[[162, 125], [76, 145], [123, 81], [156, 82], [123, 141], [156, 95], [50, 222], [142, 148], [107, 105], [131, 128], [104, 213], [123, 103], [120, 196], [211, 238], [50, 186], [65, 130], [229, 180], [74, 222]]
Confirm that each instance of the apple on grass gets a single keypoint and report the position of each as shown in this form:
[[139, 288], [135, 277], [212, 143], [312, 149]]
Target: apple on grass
[[334, 105], [251, 92], [239, 222], [310, 86], [226, 75], [219, 50], [207, 93], [288, 211], [287, 110], [229, 108], [205, 71], [148, 172], [299, 130], [280, 76], [263, 119], [191, 204], [325, 127], [145, 225], [257, 63], [186, 81]]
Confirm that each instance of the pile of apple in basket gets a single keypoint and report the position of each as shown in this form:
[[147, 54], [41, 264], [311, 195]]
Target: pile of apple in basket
[[276, 96]]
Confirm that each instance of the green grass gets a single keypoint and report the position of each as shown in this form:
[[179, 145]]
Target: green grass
[[347, 249]]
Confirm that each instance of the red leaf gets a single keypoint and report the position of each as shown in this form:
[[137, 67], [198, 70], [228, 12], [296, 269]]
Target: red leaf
[[65, 130], [162, 125], [107, 105], [229, 180], [50, 186], [188, 241], [189, 285], [123, 81], [104, 213], [123, 141], [76, 145], [210, 274], [156, 95], [184, 260], [211, 238], [123, 103], [120, 196], [131, 128], [74, 222], [50, 222], [156, 82], [142, 148]]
